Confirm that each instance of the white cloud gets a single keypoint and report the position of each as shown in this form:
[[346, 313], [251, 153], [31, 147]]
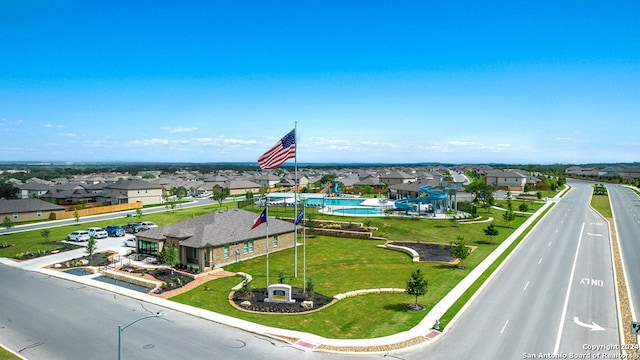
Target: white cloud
[[149, 142], [172, 129], [239, 142]]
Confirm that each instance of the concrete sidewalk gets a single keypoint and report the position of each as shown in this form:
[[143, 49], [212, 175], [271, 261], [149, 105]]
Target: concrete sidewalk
[[420, 335]]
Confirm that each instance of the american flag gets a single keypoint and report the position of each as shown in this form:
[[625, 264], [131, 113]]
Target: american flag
[[282, 151]]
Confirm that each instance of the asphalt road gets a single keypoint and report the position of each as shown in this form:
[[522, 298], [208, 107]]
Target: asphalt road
[[626, 208], [44, 317], [118, 215], [553, 297]]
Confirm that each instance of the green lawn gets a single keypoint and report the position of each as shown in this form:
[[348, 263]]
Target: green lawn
[[32, 241], [6, 355], [339, 265]]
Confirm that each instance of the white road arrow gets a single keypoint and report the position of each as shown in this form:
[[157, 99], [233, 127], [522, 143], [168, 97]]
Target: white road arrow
[[593, 326]]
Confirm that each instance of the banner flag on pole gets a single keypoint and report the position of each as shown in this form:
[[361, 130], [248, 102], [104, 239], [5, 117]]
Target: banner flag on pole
[[299, 217], [282, 151], [261, 219]]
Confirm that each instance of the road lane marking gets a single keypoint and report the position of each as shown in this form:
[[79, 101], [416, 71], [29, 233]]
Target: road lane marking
[[566, 299], [525, 287], [504, 327], [540, 261], [549, 243]]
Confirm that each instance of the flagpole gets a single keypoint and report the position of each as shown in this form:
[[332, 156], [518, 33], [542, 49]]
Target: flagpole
[[267, 238], [295, 205], [304, 248]]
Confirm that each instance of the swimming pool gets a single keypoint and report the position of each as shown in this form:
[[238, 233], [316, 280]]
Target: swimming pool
[[334, 202], [358, 211]]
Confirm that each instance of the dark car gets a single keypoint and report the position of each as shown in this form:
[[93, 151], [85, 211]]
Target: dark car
[[114, 230], [133, 228]]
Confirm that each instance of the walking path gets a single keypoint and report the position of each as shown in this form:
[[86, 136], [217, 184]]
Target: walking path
[[419, 335]]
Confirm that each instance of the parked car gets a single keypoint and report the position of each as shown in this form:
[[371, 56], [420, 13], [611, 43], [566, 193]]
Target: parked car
[[133, 228], [80, 235], [148, 225], [131, 241], [98, 233], [114, 230]]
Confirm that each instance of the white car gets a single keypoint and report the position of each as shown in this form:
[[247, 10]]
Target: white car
[[148, 225], [98, 233], [80, 235], [130, 242]]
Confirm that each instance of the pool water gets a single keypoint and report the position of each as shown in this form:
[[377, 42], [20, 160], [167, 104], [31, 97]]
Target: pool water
[[334, 202], [359, 211]]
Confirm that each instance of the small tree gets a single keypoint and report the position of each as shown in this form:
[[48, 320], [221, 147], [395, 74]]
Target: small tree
[[7, 223], [245, 291], [91, 248], [460, 251], [308, 291], [139, 213], [45, 234], [281, 278], [168, 255], [218, 196], [509, 216], [76, 215], [523, 207], [491, 231], [416, 286]]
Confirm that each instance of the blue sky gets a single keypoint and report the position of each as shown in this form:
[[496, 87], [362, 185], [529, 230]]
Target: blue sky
[[366, 81]]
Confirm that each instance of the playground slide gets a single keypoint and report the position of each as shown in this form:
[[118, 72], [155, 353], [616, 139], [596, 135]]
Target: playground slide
[[425, 195]]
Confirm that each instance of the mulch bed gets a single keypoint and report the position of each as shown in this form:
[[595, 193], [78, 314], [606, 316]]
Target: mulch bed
[[429, 251], [258, 304]]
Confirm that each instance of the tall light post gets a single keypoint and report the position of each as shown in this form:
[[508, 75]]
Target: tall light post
[[122, 328]]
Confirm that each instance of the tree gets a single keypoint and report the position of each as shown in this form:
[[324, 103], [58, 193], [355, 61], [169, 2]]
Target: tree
[[281, 278], [7, 223], [45, 234], [91, 248], [491, 231], [8, 191], [245, 291], [218, 196], [139, 213], [460, 251], [168, 255], [308, 291], [416, 286], [509, 216], [523, 207], [76, 215]]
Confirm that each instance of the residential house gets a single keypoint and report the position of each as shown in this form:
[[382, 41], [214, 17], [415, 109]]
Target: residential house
[[218, 238], [27, 209], [131, 191], [32, 190], [509, 180], [397, 177], [238, 187], [268, 180]]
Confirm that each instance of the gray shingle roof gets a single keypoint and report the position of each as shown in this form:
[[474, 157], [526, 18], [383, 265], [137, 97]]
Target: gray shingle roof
[[218, 228], [27, 205]]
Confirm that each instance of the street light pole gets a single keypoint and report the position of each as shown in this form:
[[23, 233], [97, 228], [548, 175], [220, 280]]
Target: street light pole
[[122, 328]]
